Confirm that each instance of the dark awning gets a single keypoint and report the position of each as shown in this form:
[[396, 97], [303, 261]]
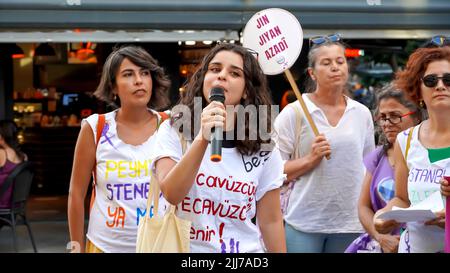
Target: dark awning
[[352, 18]]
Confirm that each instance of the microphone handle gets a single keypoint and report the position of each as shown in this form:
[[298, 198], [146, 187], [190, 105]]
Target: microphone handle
[[216, 145]]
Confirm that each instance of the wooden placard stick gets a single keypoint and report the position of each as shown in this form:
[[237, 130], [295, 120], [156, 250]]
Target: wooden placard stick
[[302, 103]]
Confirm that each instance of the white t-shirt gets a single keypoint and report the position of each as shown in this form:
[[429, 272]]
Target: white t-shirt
[[423, 180], [222, 200], [324, 200], [123, 181]]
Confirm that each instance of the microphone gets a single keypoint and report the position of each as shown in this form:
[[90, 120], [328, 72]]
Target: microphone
[[216, 94]]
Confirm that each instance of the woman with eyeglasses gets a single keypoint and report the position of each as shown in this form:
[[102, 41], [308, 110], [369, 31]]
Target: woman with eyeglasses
[[422, 153], [394, 114], [221, 199], [322, 210]]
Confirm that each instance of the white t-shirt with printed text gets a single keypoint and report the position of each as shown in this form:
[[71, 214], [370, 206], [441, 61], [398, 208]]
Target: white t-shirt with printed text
[[423, 181], [123, 181], [222, 200]]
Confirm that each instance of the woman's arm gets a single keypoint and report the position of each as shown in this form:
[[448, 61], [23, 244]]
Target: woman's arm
[[83, 163], [297, 167], [389, 243], [176, 179], [270, 221], [401, 198], [3, 157], [365, 211]]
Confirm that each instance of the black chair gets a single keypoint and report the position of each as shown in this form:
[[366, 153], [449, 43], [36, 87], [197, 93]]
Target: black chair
[[20, 179]]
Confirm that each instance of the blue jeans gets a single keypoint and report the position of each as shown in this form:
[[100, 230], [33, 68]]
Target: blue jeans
[[306, 242]]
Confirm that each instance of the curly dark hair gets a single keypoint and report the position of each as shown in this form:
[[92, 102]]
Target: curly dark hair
[[256, 88], [140, 57], [410, 79]]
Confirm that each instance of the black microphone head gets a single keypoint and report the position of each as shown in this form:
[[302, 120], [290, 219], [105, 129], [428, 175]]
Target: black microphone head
[[217, 94]]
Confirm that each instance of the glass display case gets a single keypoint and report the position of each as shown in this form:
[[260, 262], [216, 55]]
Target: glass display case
[[27, 114]]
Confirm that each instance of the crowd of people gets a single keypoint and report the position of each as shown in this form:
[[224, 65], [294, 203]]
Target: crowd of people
[[341, 180]]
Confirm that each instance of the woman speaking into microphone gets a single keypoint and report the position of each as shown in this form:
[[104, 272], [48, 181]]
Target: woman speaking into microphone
[[222, 194]]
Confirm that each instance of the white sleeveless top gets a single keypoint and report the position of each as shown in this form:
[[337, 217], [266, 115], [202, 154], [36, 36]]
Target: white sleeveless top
[[423, 180], [123, 181]]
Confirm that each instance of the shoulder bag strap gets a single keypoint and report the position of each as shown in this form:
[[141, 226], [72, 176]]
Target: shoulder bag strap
[[100, 126], [163, 116], [153, 194], [155, 190], [298, 130], [408, 144]]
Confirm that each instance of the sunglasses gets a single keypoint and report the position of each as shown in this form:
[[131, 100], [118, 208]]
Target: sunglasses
[[432, 80], [317, 40], [438, 41], [253, 52], [249, 50]]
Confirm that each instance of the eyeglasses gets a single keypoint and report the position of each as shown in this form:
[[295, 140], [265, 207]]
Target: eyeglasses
[[432, 80], [317, 40], [438, 41], [394, 119]]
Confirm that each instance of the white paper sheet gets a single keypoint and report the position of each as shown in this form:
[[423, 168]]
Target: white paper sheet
[[422, 211]]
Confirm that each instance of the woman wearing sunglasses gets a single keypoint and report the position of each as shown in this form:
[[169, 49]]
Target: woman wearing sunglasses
[[394, 114], [423, 160], [322, 212]]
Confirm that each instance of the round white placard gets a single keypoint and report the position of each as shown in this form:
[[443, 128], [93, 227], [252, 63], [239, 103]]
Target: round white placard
[[277, 36]]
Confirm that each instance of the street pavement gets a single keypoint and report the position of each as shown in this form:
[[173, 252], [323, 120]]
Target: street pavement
[[48, 220]]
